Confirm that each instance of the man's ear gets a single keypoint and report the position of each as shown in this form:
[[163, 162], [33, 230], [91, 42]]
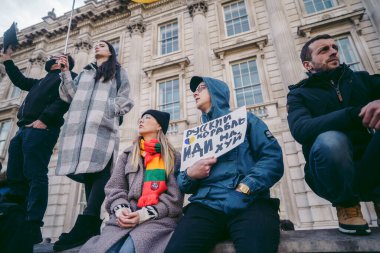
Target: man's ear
[[307, 65]]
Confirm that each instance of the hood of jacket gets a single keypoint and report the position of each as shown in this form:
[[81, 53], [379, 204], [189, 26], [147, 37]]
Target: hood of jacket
[[220, 97]]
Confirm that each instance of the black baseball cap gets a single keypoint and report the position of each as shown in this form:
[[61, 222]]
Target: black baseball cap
[[194, 82]]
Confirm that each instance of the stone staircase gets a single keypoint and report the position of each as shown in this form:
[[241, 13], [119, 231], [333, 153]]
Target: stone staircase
[[319, 240]]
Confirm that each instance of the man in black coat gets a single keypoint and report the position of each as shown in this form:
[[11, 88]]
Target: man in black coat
[[39, 119], [335, 115]]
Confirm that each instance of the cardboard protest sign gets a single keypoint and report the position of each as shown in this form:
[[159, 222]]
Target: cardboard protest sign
[[214, 138]]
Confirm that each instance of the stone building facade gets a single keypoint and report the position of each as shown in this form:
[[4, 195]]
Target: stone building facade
[[253, 45]]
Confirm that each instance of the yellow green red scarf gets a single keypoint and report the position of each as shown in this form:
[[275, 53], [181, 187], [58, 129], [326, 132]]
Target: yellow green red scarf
[[155, 175]]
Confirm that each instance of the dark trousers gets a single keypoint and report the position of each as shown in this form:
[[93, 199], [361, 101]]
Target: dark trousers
[[14, 233], [334, 175], [256, 229], [94, 184], [29, 155]]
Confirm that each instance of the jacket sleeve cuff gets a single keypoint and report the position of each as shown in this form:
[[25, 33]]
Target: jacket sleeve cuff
[[250, 183], [8, 63], [185, 179], [45, 120], [147, 213], [118, 202], [66, 76]]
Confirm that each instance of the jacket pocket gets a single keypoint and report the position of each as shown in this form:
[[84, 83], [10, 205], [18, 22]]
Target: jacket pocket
[[235, 202]]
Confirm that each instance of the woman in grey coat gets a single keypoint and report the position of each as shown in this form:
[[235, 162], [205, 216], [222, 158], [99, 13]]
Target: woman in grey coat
[[143, 199], [90, 137]]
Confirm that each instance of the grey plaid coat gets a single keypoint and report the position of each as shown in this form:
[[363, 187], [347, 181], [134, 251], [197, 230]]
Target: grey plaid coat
[[90, 134], [125, 187]]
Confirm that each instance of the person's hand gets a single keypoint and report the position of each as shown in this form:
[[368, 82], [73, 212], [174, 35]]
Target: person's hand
[[7, 55], [63, 62], [37, 124], [201, 168], [121, 211], [128, 220], [370, 115]]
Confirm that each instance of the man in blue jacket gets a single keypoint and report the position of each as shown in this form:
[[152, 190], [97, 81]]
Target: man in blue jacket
[[39, 120], [334, 114], [230, 195]]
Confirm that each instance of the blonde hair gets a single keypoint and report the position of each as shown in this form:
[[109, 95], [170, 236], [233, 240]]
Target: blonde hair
[[167, 152]]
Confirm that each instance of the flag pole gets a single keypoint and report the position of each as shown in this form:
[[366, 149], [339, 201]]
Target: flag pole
[[68, 29]]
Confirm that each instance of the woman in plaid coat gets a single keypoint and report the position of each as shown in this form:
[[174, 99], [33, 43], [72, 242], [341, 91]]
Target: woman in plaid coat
[[90, 136]]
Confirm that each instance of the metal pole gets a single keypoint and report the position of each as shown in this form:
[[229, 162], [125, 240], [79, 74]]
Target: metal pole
[[68, 29]]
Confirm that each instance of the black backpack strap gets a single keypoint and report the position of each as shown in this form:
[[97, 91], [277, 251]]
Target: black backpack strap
[[118, 78], [118, 84]]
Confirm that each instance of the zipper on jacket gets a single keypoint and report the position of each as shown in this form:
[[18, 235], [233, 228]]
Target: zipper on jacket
[[336, 88]]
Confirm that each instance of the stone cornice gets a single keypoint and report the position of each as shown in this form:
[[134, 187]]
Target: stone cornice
[[182, 63], [197, 7], [259, 42], [355, 17], [90, 13], [155, 4], [10, 106]]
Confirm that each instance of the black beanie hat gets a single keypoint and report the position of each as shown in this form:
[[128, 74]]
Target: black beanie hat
[[162, 118], [51, 62]]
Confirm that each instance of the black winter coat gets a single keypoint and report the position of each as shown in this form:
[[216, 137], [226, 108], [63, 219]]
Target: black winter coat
[[42, 102], [314, 107]]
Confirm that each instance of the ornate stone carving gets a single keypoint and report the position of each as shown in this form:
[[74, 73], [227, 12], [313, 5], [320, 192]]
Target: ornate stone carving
[[136, 26], [197, 7], [51, 14], [83, 44], [39, 59]]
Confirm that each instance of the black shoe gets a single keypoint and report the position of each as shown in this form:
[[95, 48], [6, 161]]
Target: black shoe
[[85, 227]]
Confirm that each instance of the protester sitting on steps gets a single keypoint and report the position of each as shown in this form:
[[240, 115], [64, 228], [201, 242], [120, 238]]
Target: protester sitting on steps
[[230, 194], [143, 198]]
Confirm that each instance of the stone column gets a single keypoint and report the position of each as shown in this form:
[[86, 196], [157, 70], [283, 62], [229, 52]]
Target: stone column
[[82, 46], [136, 30], [198, 11], [287, 56], [291, 72], [373, 7]]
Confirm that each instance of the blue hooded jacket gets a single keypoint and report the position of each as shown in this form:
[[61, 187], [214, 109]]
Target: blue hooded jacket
[[257, 162]]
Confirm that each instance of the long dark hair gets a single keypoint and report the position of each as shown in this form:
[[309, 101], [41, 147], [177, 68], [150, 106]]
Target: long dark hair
[[108, 68]]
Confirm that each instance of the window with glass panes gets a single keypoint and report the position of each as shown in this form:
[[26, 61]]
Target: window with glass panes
[[235, 18], [312, 6], [348, 53], [247, 83], [116, 45], [168, 38], [5, 127], [169, 98]]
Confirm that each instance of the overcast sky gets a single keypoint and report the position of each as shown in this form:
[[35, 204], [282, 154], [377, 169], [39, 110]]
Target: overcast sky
[[30, 12]]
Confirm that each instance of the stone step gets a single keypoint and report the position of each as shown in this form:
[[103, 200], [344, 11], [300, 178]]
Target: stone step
[[319, 240]]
